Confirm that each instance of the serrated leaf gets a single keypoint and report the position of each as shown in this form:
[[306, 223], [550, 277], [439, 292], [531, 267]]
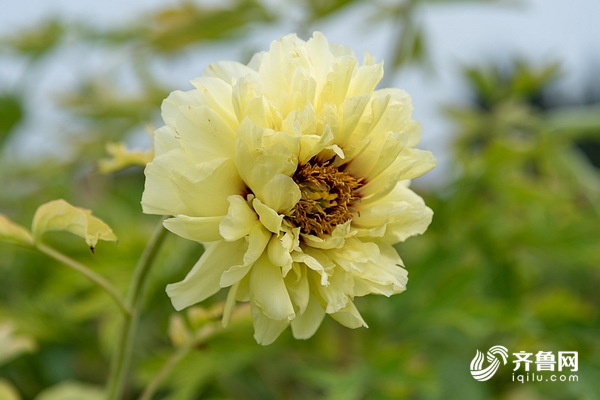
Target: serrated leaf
[[14, 233], [71, 390], [58, 215]]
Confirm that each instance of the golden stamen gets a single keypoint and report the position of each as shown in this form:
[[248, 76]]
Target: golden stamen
[[327, 198]]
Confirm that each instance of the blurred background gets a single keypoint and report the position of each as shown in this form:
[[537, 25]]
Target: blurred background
[[508, 93]]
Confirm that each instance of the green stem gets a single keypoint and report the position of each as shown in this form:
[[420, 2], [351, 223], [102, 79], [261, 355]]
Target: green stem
[[203, 334], [90, 274], [122, 354]]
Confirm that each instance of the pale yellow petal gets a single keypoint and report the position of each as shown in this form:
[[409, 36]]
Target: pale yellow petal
[[386, 276], [229, 71], [170, 105], [349, 317], [354, 254], [278, 254], [199, 229], [229, 303], [203, 280], [266, 330], [218, 95], [306, 324], [268, 291], [311, 145], [352, 111], [366, 79], [257, 242], [410, 164], [337, 81], [378, 156], [204, 134], [165, 140], [160, 196], [298, 287], [335, 295], [240, 219], [402, 213], [280, 194], [261, 155], [268, 217], [204, 188], [314, 264]]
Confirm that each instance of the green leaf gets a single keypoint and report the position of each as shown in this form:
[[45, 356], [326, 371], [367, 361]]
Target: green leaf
[[38, 40], [58, 215], [14, 233], [70, 390], [11, 112], [11, 345]]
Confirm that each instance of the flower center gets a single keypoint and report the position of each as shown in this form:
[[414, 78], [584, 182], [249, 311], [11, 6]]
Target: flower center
[[327, 198]]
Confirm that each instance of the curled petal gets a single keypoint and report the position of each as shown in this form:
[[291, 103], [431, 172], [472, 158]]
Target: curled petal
[[239, 221], [199, 229], [257, 242], [203, 280]]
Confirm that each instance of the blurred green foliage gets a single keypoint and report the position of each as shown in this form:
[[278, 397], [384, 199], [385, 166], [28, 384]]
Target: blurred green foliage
[[512, 256]]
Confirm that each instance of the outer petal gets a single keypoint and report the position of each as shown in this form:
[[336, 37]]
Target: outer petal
[[268, 291], [402, 212], [266, 330], [229, 71], [203, 280], [160, 196], [385, 277], [410, 164], [164, 140], [204, 188], [200, 229], [170, 106], [204, 134], [349, 317], [335, 295], [305, 325], [217, 94]]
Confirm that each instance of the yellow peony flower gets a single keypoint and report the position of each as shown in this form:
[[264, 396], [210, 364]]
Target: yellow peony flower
[[293, 172]]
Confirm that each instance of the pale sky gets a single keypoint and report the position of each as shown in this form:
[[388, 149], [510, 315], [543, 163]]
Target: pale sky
[[458, 34]]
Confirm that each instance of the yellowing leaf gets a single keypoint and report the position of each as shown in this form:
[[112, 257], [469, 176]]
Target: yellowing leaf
[[122, 157], [58, 215], [179, 333], [14, 233], [11, 345], [8, 391]]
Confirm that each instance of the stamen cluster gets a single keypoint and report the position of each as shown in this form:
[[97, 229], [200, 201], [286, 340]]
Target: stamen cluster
[[328, 195]]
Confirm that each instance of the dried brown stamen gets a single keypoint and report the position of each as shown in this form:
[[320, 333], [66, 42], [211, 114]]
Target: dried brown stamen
[[327, 198]]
